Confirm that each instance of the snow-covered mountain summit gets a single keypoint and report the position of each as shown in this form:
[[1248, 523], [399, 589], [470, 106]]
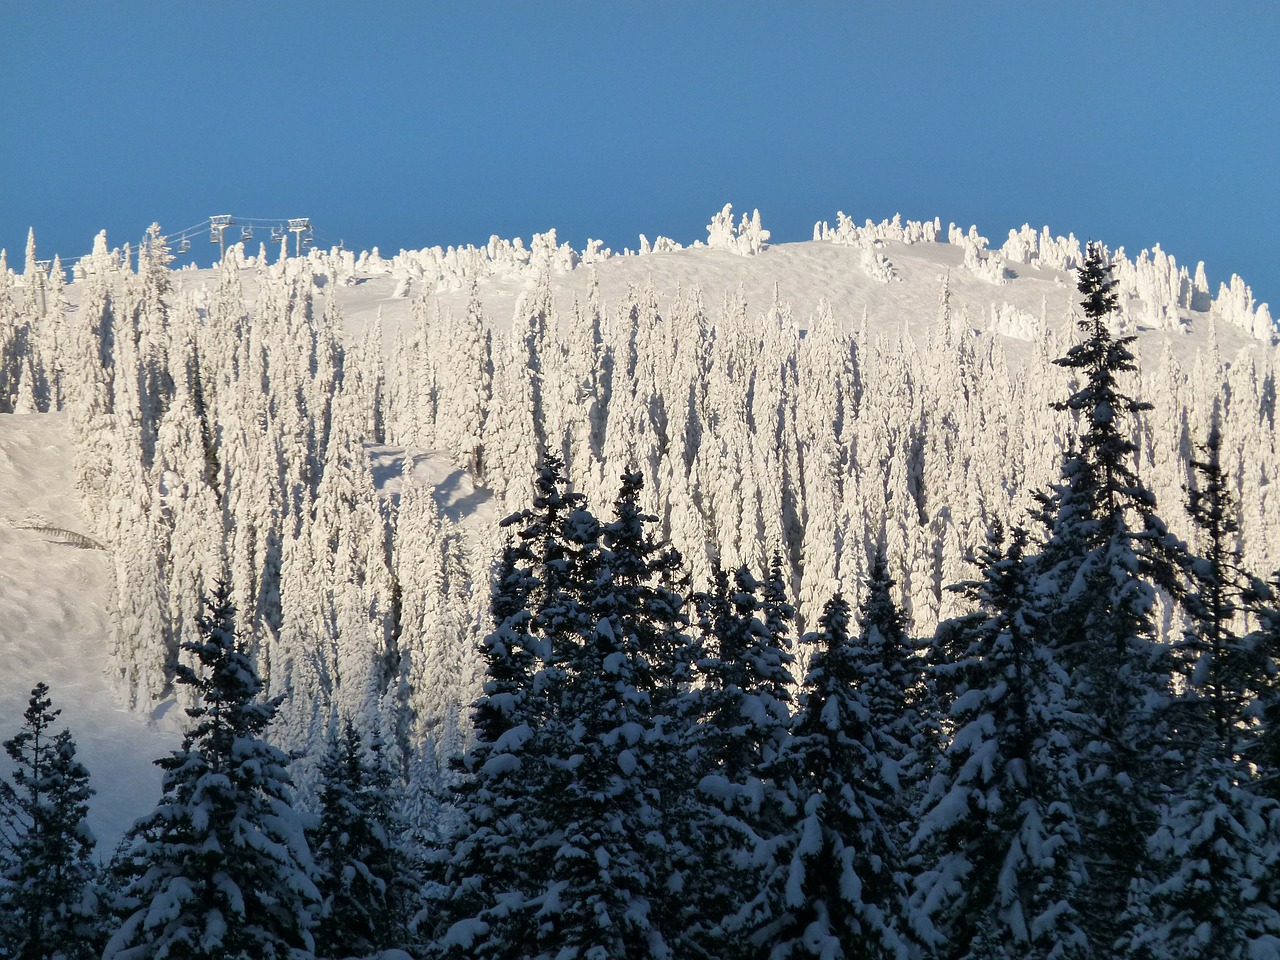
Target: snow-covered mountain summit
[[338, 434]]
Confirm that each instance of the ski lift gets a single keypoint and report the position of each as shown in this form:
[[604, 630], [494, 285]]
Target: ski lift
[[277, 234], [246, 233], [184, 246]]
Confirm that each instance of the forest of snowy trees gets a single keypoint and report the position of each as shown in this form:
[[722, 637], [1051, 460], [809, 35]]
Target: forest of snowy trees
[[881, 649]]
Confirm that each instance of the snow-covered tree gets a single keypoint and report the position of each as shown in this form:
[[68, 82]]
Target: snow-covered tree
[[489, 871], [996, 830], [889, 678], [48, 880], [360, 867], [834, 888], [1222, 671], [744, 707], [1106, 552], [602, 841], [221, 867], [1211, 875]]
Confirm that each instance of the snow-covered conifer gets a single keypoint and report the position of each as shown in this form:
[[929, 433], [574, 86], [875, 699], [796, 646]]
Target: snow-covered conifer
[[464, 405], [48, 881], [221, 866], [995, 828], [495, 859], [1106, 552], [1212, 871], [834, 889], [356, 844]]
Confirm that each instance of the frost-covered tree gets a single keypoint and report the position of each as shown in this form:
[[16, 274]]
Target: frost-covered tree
[[48, 880], [462, 410], [221, 867], [833, 889], [1106, 552], [995, 830], [361, 870]]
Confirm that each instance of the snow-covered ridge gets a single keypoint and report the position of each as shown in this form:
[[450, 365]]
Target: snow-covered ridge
[[1156, 291], [280, 421]]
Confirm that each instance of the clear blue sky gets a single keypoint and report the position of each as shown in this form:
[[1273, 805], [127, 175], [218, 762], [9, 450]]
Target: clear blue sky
[[404, 124]]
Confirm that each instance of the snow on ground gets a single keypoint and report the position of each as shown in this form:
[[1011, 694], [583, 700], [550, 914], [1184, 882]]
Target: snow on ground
[[801, 275], [53, 586], [54, 629], [453, 489], [1032, 298]]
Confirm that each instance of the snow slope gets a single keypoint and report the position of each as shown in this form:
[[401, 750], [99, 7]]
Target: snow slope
[[54, 629], [54, 587], [53, 600]]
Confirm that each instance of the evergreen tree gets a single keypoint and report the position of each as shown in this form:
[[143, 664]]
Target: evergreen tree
[[48, 886], [1213, 860], [889, 678], [221, 868], [745, 707], [1221, 670], [563, 851], [1105, 555], [834, 890], [356, 844], [993, 830], [489, 870], [1263, 749], [746, 672], [612, 632]]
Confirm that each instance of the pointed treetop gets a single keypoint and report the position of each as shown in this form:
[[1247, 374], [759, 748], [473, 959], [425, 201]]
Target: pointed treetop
[[1097, 284]]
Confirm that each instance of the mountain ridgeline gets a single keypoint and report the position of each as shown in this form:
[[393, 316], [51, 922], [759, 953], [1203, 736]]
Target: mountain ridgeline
[[1027, 561]]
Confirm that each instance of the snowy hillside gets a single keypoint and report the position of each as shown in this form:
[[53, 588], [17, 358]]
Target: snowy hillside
[[886, 384], [53, 607]]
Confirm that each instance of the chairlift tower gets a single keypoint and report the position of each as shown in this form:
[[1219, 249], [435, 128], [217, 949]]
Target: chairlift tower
[[298, 226], [43, 270], [217, 227]]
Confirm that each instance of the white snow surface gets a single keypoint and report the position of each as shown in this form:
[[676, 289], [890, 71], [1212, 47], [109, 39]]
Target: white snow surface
[[453, 489], [54, 585], [54, 628]]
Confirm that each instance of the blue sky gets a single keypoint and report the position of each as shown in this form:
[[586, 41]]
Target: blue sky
[[404, 124]]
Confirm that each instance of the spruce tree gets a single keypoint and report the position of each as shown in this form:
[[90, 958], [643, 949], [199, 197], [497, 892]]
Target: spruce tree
[[833, 890], [602, 828], [1263, 748], [993, 833], [1106, 553], [357, 848], [221, 868], [48, 886], [889, 677], [1213, 869], [489, 870], [562, 850], [1221, 671], [744, 703]]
